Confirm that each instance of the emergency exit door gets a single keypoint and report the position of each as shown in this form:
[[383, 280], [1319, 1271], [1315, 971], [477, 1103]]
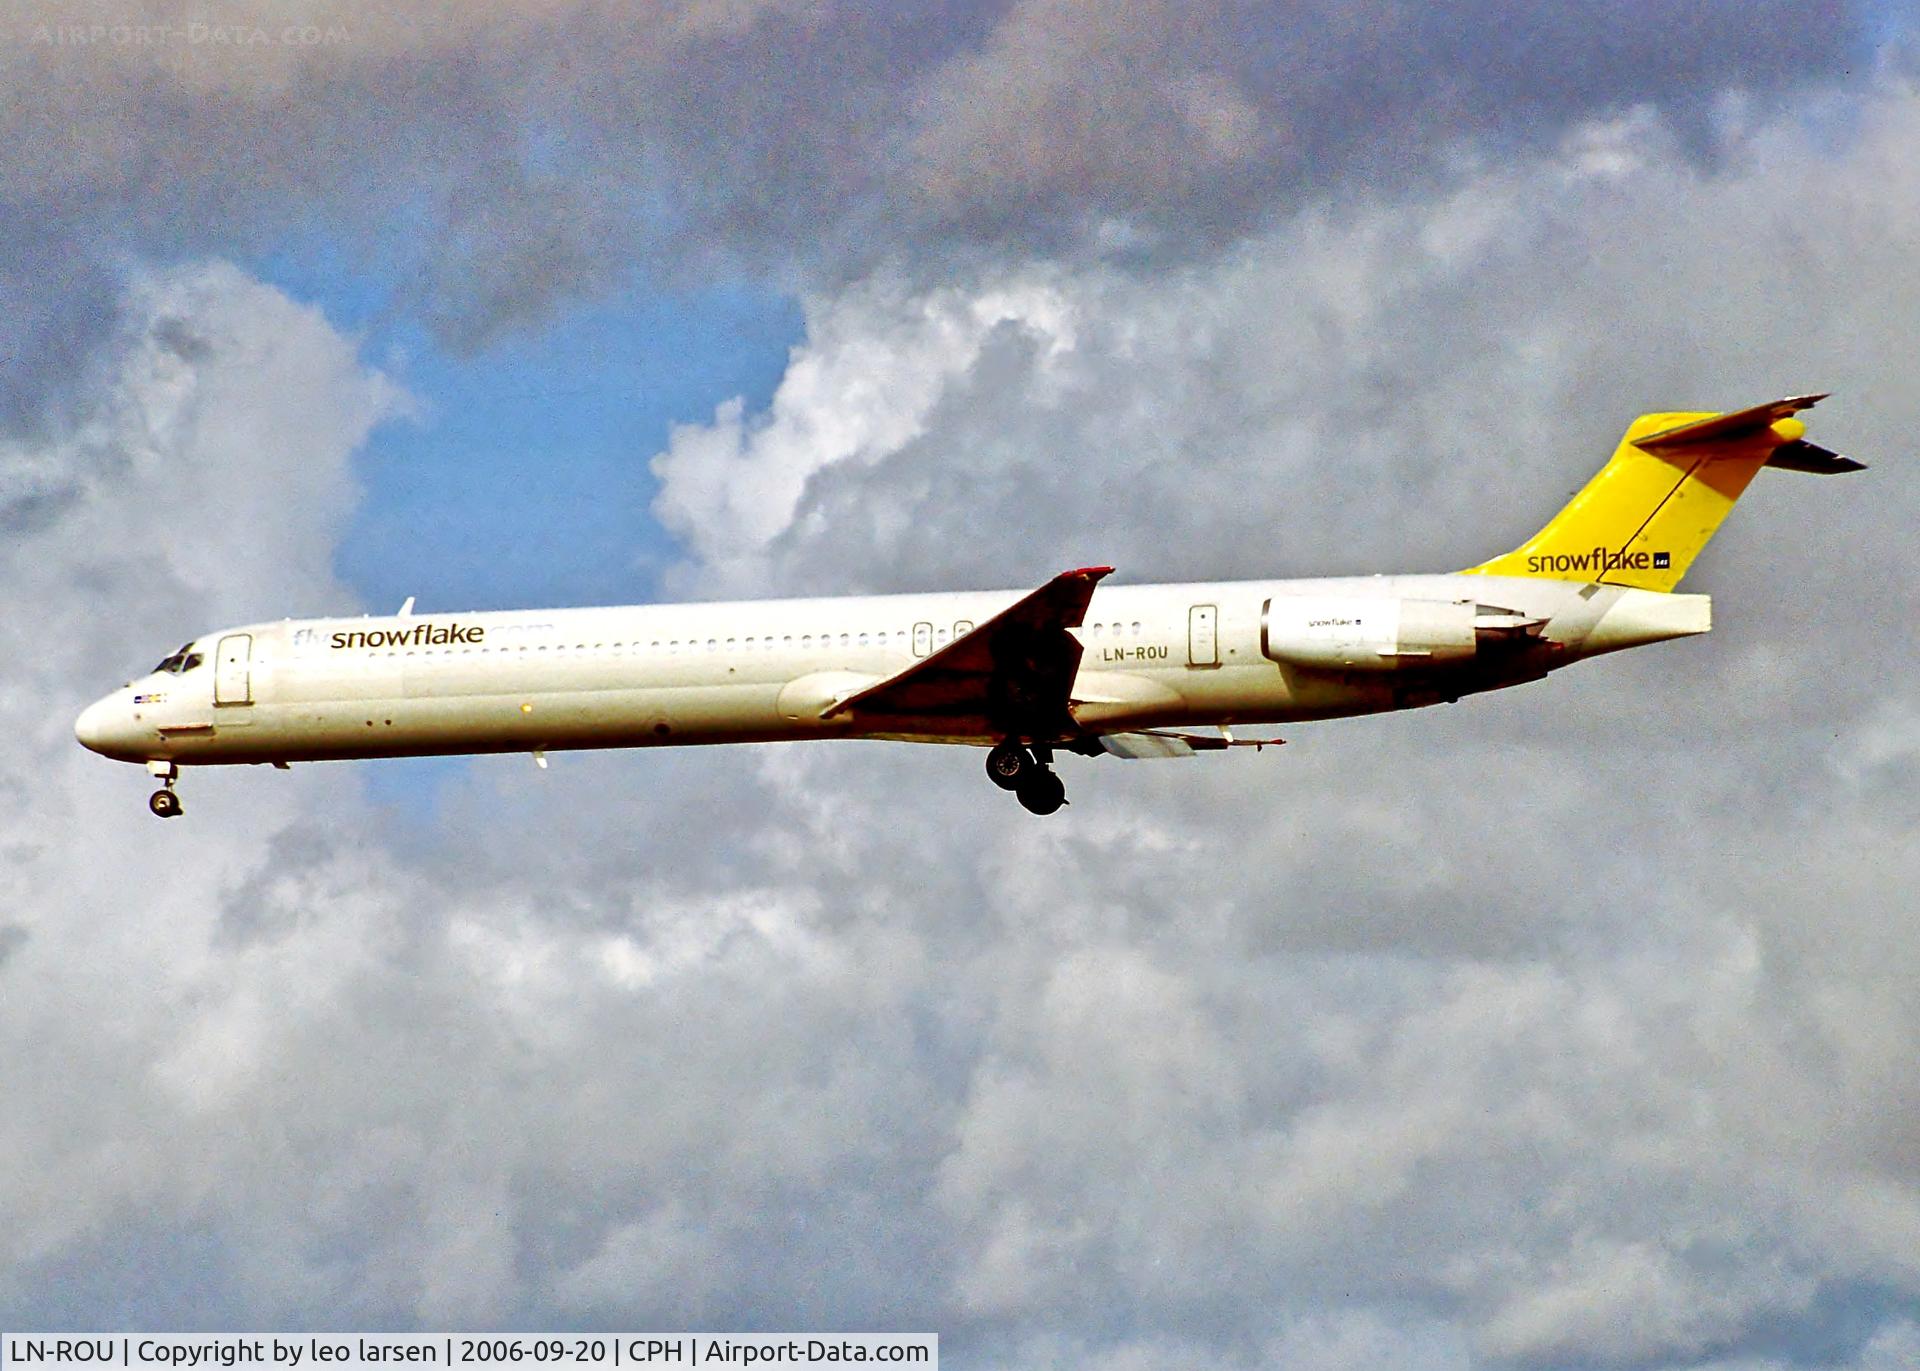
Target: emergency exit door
[[233, 670], [1203, 636]]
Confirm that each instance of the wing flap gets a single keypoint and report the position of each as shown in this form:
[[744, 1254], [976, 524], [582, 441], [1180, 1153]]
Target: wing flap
[[1139, 747], [1153, 743]]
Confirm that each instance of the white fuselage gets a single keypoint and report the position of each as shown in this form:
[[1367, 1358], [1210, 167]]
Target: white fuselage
[[1247, 652]]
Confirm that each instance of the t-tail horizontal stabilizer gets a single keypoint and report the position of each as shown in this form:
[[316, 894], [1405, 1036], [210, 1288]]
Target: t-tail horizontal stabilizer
[[1730, 427], [1800, 455], [1793, 452]]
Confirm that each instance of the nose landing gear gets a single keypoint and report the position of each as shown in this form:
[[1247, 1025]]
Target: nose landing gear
[[1028, 775], [163, 802]]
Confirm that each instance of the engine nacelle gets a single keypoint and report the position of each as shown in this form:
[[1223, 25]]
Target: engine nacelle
[[1370, 634]]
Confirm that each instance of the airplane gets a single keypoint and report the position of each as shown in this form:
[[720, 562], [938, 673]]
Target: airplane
[[1077, 665]]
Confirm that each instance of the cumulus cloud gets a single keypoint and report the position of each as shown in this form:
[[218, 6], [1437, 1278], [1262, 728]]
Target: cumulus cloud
[[538, 151], [1566, 1024], [1419, 374], [206, 479], [1462, 360], [1175, 1064], [860, 392], [206, 482]]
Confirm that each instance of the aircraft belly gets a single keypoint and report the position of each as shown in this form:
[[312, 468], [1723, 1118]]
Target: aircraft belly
[[401, 726], [1243, 693], [389, 725]]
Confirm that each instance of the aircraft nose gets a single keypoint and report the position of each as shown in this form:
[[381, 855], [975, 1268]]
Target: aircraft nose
[[95, 726]]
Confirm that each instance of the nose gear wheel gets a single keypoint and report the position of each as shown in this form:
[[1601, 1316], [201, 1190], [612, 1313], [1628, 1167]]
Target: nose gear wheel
[[164, 802]]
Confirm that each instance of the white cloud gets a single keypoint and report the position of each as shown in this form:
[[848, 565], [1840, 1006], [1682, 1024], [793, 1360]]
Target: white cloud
[[1628, 1302], [1567, 1023], [1395, 384], [210, 457], [206, 481], [1612, 1008], [854, 398]]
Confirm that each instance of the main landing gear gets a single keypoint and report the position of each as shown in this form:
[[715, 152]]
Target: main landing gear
[[163, 802], [1028, 775]]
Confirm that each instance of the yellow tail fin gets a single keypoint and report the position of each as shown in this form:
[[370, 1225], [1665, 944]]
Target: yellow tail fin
[[1643, 519]]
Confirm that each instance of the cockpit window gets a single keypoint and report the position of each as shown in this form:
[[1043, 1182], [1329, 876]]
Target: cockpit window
[[182, 659]]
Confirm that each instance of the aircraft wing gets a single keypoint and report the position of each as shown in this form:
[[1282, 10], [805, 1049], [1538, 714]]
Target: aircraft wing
[[1010, 676]]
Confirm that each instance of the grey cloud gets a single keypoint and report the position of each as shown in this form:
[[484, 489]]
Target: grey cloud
[[1048, 126], [543, 152], [1194, 128], [1464, 363], [1424, 1040], [12, 937], [515, 249], [1640, 926], [289, 887]]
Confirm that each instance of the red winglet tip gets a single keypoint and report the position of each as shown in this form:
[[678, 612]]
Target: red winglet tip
[[1095, 572]]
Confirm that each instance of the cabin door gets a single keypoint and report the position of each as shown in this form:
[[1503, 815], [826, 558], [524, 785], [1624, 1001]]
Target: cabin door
[[1203, 635], [233, 670]]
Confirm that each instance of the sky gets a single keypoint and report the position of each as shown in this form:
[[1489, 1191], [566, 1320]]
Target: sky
[[1570, 1026]]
